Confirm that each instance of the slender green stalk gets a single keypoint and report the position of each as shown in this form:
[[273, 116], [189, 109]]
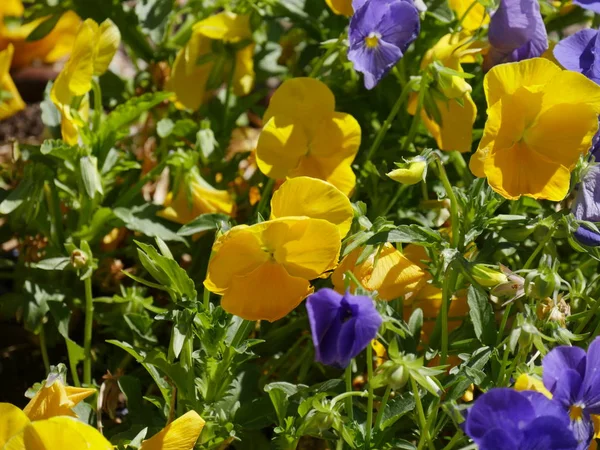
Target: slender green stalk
[[421, 414], [206, 298], [136, 188], [412, 131], [370, 398], [386, 397], [242, 332], [228, 92], [590, 313], [44, 349], [97, 92], [56, 223], [348, 378], [314, 73], [74, 374], [503, 324], [395, 199], [500, 381], [540, 247], [388, 121], [87, 336], [448, 279], [457, 437], [456, 235], [265, 196]]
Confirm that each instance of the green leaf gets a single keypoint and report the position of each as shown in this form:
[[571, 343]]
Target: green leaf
[[152, 13], [280, 392], [408, 234], [44, 28], [59, 149], [396, 408], [58, 263], [482, 315], [144, 220], [17, 196], [205, 222], [92, 180], [206, 142], [164, 127]]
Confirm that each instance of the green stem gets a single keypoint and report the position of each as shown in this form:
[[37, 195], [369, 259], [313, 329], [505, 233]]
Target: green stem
[[228, 96], [206, 298], [53, 201], [500, 381], [461, 167], [503, 324], [591, 313], [394, 200], [44, 349], [539, 248], [384, 401], [264, 196], [314, 73], [457, 436], [448, 276], [421, 414], [136, 188], [97, 92], [87, 336], [456, 237], [412, 131], [348, 378], [242, 333], [388, 121], [74, 374], [369, 424]]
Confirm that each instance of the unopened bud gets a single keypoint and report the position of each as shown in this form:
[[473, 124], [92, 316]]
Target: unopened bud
[[541, 283], [488, 276], [78, 259], [410, 172], [398, 378]]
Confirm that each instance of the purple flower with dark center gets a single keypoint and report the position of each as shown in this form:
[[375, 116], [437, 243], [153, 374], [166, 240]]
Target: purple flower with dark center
[[516, 32], [587, 206], [342, 325], [504, 419], [578, 53], [380, 32], [573, 378]]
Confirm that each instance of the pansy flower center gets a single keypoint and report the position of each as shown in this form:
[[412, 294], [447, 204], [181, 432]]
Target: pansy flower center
[[372, 40], [576, 412]]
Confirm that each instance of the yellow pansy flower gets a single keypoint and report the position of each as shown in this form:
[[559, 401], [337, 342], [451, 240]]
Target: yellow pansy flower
[[10, 99], [471, 13], [95, 46], [181, 434], [458, 112], [304, 135], [55, 399], [388, 272], [18, 432], [263, 271], [341, 7], [311, 197], [195, 197], [195, 62], [539, 116], [49, 49]]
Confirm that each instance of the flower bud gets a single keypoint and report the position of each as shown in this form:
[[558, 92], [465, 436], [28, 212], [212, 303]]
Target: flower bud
[[79, 259], [398, 378], [488, 276], [541, 283], [410, 172]]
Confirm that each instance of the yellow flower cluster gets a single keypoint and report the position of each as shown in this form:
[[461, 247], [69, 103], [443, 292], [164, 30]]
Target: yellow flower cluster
[[10, 99], [49, 423], [202, 65], [303, 135]]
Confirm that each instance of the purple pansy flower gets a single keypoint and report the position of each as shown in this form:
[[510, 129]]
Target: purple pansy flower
[[516, 32], [504, 419], [380, 32], [578, 53], [342, 325], [587, 206], [592, 5], [573, 378]]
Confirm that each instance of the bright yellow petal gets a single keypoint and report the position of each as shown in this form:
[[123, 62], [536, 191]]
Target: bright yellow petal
[[341, 7], [477, 162], [563, 133], [267, 293], [280, 146], [80, 67], [237, 252], [61, 39], [338, 137], [391, 274], [311, 197], [417, 255], [243, 77], [471, 12], [347, 264], [77, 394], [12, 421], [509, 173], [305, 247], [528, 383], [50, 401], [505, 79], [181, 434], [225, 26], [339, 173], [456, 131], [305, 101], [11, 8], [572, 88], [14, 104], [596, 422], [107, 41]]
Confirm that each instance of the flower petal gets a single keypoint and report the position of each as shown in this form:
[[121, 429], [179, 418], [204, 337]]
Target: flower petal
[[50, 401], [243, 75], [339, 173], [587, 237], [575, 52], [12, 421], [267, 293], [497, 439], [591, 380], [558, 361], [323, 309], [107, 41], [181, 434], [225, 26], [374, 62], [358, 332], [573, 88], [587, 202], [549, 433], [311, 197]]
